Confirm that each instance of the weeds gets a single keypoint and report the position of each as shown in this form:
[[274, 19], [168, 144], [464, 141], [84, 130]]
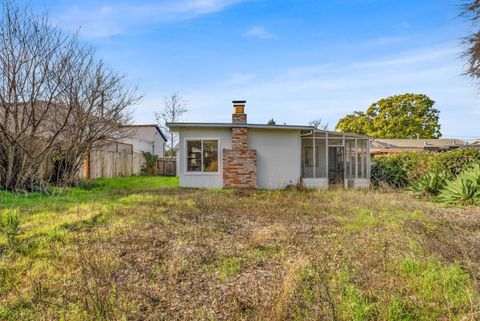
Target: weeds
[[10, 227], [133, 249]]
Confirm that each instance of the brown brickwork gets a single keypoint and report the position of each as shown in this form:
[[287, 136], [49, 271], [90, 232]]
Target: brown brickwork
[[239, 163], [239, 118], [239, 168], [240, 138]]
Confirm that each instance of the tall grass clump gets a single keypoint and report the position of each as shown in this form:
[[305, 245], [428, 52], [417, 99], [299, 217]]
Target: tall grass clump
[[10, 227], [464, 189]]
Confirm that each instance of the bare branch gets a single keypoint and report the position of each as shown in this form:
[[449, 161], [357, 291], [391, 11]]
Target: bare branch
[[173, 110]]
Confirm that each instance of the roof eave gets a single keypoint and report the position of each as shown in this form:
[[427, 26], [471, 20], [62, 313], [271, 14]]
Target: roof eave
[[174, 126]]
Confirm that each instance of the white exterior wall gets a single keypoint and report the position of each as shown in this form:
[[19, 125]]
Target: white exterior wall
[[313, 183], [362, 183], [146, 139], [278, 156], [208, 180]]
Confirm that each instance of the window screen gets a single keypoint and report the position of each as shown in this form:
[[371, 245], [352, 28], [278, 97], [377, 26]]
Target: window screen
[[202, 156], [210, 156], [194, 155]]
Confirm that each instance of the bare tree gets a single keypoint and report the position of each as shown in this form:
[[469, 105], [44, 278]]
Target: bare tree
[[56, 100], [174, 106], [471, 10], [101, 105], [318, 124]]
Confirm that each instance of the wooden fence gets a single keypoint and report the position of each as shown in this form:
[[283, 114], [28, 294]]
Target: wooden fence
[[108, 164], [167, 166]]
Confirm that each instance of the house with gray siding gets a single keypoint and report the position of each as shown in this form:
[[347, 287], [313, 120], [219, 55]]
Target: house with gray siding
[[244, 155], [145, 138]]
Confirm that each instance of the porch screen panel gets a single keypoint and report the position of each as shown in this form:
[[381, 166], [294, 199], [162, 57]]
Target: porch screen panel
[[320, 158], [362, 159], [307, 158], [365, 163], [350, 158]]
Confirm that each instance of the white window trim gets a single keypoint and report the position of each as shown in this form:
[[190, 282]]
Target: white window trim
[[185, 161]]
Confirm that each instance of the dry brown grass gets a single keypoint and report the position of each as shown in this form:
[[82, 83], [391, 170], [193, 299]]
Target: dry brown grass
[[267, 255]]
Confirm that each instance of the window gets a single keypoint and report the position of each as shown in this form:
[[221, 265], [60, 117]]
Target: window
[[202, 156], [210, 156], [194, 156]]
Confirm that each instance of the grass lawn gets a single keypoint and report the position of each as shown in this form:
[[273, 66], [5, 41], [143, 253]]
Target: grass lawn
[[143, 249]]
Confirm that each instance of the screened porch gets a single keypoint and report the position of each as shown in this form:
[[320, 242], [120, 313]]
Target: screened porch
[[335, 159]]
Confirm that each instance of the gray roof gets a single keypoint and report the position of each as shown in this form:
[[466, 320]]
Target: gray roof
[[258, 126], [159, 130], [417, 143]]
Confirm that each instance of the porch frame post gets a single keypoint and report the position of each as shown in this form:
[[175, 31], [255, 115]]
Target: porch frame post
[[368, 160], [356, 158], [326, 160], [314, 156], [344, 167]]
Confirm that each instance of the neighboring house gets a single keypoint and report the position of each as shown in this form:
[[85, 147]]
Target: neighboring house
[[391, 146], [243, 155], [123, 157], [145, 138]]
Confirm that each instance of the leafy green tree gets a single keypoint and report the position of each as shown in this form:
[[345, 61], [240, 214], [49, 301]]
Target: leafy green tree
[[272, 122], [401, 116]]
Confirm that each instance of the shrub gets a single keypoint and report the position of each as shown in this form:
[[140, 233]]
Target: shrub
[[149, 167], [456, 161], [429, 184], [403, 169], [389, 170], [464, 189]]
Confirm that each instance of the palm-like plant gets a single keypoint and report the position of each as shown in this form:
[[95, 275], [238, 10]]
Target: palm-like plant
[[464, 189], [429, 184]]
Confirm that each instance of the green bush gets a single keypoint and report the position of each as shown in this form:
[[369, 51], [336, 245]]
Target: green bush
[[149, 167], [399, 170], [464, 189], [429, 184], [389, 170], [403, 169], [456, 161]]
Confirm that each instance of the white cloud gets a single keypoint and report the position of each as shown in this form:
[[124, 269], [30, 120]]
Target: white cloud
[[108, 18], [329, 91], [387, 40], [259, 32]]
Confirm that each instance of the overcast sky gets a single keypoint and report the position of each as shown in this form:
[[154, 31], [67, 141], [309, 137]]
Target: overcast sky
[[291, 60]]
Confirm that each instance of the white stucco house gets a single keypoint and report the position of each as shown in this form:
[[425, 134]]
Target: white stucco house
[[244, 155], [145, 138]]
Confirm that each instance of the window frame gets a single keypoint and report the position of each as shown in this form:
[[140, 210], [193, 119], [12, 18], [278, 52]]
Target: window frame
[[202, 172]]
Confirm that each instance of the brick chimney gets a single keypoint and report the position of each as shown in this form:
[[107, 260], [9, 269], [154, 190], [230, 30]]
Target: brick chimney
[[239, 163], [239, 116], [239, 135]]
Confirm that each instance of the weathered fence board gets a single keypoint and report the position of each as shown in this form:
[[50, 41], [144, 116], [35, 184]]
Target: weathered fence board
[[167, 166], [108, 164]]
